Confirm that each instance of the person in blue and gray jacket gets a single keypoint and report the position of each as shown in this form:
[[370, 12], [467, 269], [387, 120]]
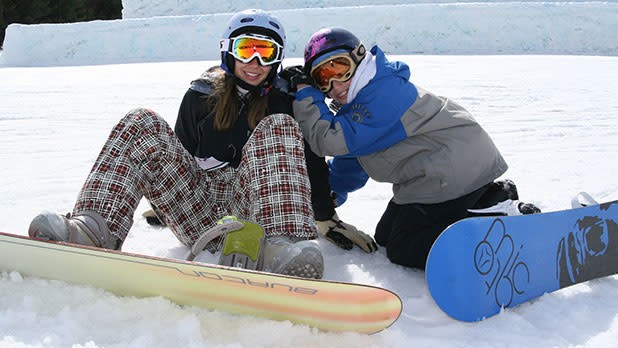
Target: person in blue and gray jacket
[[441, 162]]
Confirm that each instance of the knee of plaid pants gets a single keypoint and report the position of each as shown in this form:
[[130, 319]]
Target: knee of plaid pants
[[128, 167], [273, 183], [174, 183]]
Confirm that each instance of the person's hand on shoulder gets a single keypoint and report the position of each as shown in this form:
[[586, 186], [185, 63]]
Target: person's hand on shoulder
[[296, 77]]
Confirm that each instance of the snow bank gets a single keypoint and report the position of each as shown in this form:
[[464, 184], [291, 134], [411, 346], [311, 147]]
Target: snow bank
[[573, 28], [154, 8]]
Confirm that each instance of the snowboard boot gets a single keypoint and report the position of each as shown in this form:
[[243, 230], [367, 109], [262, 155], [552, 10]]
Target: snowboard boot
[[508, 207], [583, 199], [301, 259], [86, 228], [242, 248], [245, 246], [496, 192]]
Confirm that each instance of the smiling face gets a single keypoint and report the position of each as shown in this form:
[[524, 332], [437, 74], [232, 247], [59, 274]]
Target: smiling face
[[340, 91], [252, 73]]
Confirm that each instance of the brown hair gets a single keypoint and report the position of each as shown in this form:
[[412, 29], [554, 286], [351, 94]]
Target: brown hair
[[226, 103]]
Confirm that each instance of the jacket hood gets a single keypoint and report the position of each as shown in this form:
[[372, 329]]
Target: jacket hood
[[204, 84], [386, 68]]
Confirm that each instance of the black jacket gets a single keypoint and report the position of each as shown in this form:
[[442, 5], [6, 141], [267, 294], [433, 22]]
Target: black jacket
[[194, 128]]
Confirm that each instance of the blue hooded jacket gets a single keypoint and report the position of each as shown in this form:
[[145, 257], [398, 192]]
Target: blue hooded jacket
[[429, 147], [370, 123]]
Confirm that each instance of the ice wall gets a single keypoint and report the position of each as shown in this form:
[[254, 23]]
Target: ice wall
[[574, 28]]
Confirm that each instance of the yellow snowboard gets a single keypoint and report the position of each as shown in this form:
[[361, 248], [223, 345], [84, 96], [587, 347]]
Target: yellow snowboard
[[327, 305]]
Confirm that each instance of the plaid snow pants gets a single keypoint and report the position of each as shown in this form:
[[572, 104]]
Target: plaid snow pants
[[143, 158]]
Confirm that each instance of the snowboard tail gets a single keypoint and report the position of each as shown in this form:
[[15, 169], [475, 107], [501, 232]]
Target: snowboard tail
[[327, 305], [480, 265]]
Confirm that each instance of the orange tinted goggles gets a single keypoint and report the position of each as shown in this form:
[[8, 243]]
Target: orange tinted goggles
[[245, 48], [339, 67]]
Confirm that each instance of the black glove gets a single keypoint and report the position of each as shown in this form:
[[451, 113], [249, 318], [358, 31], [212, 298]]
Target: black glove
[[295, 75], [345, 235], [152, 218]]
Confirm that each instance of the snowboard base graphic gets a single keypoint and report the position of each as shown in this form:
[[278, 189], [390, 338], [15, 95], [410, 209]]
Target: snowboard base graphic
[[479, 265], [327, 305]]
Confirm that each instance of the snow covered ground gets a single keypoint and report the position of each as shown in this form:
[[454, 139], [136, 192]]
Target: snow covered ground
[[553, 117]]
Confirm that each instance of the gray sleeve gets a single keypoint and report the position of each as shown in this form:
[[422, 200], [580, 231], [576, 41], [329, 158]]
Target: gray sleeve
[[324, 140]]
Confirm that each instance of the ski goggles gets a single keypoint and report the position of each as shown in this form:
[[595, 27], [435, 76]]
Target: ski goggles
[[247, 47], [338, 67]]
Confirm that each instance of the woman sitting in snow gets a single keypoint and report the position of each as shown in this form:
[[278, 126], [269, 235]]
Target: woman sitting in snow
[[441, 163], [235, 151]]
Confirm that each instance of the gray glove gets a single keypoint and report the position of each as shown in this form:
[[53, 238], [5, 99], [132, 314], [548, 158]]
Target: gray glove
[[345, 235]]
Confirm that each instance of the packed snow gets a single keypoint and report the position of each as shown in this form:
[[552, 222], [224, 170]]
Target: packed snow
[[552, 116], [573, 28]]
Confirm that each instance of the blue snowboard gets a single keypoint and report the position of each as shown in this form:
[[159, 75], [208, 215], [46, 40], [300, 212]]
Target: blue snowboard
[[479, 265]]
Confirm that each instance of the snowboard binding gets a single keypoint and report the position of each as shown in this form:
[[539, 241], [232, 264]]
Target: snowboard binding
[[242, 246]]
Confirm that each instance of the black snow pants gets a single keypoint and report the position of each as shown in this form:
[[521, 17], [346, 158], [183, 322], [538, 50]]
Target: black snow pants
[[409, 230]]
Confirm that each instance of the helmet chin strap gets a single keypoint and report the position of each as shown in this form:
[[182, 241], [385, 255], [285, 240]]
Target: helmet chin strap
[[242, 84]]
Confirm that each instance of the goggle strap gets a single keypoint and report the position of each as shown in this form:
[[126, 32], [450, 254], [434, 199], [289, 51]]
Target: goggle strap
[[358, 53], [224, 45]]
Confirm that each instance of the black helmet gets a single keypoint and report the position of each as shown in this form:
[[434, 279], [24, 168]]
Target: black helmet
[[330, 39]]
